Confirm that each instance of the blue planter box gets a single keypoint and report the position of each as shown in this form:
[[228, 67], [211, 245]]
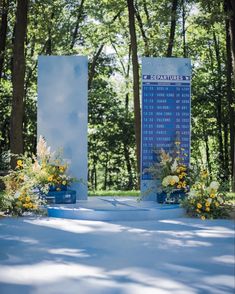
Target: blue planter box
[[61, 197], [174, 198]]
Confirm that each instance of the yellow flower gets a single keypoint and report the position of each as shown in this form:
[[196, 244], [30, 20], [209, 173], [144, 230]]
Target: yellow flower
[[21, 177], [20, 198], [172, 182], [199, 205], [212, 195], [25, 205], [30, 204], [62, 168], [207, 204], [64, 183], [217, 204], [181, 176], [207, 209], [184, 184], [50, 178], [34, 206], [203, 217], [179, 186], [27, 198], [58, 189], [19, 163], [178, 170], [198, 210], [204, 174]]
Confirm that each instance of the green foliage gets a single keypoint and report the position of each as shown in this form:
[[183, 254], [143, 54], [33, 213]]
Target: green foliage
[[64, 27], [115, 193]]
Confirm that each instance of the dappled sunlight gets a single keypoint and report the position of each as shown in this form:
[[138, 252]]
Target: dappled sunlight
[[54, 255], [220, 280], [186, 243], [76, 226], [69, 252], [17, 238], [228, 259], [214, 233], [147, 278], [47, 272]]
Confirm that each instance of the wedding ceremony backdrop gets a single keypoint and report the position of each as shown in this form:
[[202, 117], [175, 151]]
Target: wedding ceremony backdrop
[[63, 118], [62, 111]]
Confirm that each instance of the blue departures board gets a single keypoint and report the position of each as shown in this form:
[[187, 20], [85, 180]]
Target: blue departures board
[[166, 84]]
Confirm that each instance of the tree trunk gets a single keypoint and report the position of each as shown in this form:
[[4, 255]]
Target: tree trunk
[[128, 166], [135, 66], [219, 104], [18, 74], [226, 153], [230, 98], [230, 6], [207, 149], [141, 26], [79, 16], [93, 65], [172, 29], [184, 30], [3, 32]]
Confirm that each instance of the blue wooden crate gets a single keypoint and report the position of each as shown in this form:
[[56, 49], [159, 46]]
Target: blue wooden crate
[[61, 197], [174, 198]]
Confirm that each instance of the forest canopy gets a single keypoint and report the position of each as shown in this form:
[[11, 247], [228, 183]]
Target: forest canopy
[[115, 35]]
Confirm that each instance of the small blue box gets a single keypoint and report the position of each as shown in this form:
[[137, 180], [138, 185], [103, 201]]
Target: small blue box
[[61, 197]]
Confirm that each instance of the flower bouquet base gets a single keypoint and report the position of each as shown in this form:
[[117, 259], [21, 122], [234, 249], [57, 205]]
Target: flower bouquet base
[[173, 198], [54, 188], [61, 197]]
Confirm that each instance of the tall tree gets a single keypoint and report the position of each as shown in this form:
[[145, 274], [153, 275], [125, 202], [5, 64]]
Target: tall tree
[[172, 29], [135, 68], [79, 17], [3, 32], [230, 98], [18, 74]]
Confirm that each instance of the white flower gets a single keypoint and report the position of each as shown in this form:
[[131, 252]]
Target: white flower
[[166, 181], [214, 185], [209, 200], [165, 157], [36, 166], [174, 166], [42, 150], [175, 178]]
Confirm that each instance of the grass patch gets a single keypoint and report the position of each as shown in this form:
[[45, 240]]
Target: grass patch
[[230, 197], [114, 193]]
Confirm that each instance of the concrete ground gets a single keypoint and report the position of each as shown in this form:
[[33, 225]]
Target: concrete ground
[[181, 256]]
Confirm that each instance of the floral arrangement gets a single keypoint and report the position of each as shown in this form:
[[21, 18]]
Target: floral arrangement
[[206, 200], [172, 171], [33, 177]]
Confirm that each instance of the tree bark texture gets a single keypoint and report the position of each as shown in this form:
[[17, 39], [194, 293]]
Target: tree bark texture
[[229, 86], [79, 16], [135, 67], [3, 32], [172, 29], [18, 74]]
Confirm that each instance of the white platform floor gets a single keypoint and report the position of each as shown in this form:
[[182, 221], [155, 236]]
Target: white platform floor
[[114, 208], [65, 256]]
